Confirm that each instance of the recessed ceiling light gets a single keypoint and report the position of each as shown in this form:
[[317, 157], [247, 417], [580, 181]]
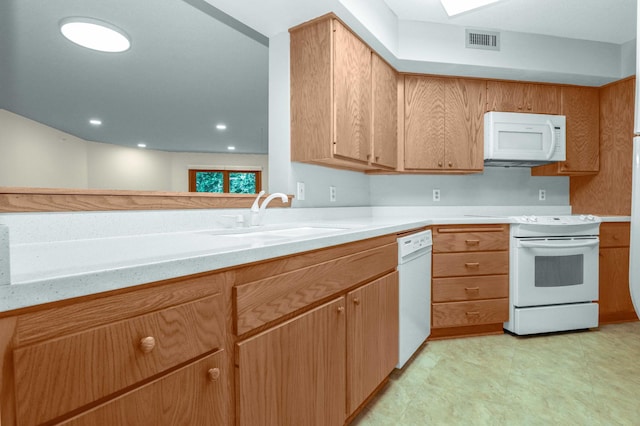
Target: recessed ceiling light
[[456, 7], [231, 148], [95, 34], [142, 145], [95, 121], [221, 126]]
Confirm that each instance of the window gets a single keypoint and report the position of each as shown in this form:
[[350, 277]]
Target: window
[[229, 181]]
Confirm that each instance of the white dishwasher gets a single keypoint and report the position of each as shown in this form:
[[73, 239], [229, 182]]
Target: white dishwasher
[[414, 270]]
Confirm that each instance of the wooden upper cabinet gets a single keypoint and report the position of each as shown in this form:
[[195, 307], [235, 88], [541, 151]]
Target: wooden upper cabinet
[[331, 97], [385, 113], [444, 124], [581, 106], [523, 97]]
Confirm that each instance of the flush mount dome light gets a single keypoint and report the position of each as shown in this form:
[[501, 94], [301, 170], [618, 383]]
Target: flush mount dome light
[[95, 34]]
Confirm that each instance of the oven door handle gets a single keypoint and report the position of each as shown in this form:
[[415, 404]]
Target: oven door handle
[[528, 244]]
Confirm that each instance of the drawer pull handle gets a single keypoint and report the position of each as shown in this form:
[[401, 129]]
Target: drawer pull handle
[[147, 344], [472, 242], [472, 265], [214, 374], [356, 301], [472, 288], [474, 314]]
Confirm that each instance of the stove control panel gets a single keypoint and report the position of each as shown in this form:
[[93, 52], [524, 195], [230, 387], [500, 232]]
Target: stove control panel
[[557, 220]]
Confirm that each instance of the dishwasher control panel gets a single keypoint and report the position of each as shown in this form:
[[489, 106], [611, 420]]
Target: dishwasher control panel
[[414, 242]]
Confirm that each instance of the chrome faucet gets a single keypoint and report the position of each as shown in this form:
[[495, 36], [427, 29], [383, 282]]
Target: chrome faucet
[[257, 210]]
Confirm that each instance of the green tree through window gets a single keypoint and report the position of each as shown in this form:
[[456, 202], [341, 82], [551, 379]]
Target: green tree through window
[[225, 181]]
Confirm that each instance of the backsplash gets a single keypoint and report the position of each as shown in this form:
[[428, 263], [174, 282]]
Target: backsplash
[[496, 186]]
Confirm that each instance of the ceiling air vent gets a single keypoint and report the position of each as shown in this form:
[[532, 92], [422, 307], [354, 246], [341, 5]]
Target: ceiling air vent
[[479, 39]]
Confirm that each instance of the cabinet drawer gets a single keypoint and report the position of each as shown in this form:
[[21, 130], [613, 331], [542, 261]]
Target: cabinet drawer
[[462, 239], [470, 288], [456, 314], [262, 301], [615, 234], [463, 264], [193, 395], [66, 373]]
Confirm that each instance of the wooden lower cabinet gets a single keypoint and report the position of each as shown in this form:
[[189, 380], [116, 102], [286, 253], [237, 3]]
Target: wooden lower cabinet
[[614, 301], [320, 366], [470, 285], [193, 395]]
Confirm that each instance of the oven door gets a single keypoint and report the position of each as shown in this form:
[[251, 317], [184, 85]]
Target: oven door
[[554, 270]]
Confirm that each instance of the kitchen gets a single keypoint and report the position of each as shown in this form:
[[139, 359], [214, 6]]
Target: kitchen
[[456, 190]]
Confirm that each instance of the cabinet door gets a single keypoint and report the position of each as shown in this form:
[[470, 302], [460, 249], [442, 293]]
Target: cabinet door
[[424, 122], [294, 374], [614, 301], [372, 337], [192, 395], [465, 102], [581, 106], [352, 95], [523, 97], [385, 114]]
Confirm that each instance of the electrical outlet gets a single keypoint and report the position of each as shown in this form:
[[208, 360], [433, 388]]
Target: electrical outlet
[[542, 195], [300, 192], [332, 194], [436, 195]]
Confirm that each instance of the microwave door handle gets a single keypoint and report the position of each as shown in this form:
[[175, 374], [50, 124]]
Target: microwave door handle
[[528, 244], [553, 140]]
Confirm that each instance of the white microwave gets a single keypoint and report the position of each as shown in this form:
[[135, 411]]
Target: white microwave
[[525, 140]]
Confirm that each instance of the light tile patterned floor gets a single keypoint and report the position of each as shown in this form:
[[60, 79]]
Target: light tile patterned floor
[[578, 378]]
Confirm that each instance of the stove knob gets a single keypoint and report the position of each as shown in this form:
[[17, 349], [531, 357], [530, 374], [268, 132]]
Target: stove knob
[[591, 217], [533, 219], [583, 217]]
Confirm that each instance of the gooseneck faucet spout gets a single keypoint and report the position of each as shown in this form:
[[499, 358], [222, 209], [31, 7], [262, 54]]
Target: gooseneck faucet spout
[[257, 210]]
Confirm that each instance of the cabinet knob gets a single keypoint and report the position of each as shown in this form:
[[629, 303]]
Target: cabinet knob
[[450, 164], [340, 309], [356, 301], [439, 163], [147, 344], [214, 374], [377, 159]]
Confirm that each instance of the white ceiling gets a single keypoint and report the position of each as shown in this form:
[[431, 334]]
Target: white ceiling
[[610, 21], [209, 61]]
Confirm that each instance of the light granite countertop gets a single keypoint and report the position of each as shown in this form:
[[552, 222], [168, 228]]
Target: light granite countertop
[[58, 269]]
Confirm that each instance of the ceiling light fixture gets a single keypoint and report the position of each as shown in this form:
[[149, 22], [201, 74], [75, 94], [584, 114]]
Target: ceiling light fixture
[[95, 121], [142, 145], [221, 126], [95, 34], [456, 7], [231, 148]]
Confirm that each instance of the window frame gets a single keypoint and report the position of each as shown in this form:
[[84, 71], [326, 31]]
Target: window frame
[[225, 179]]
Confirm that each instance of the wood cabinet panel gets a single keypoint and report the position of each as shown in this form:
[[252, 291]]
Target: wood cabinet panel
[[372, 337], [262, 301], [295, 373], [424, 122], [523, 97], [465, 102], [453, 314], [385, 113], [478, 238], [352, 95], [66, 373], [193, 395], [470, 288], [464, 264], [614, 301], [609, 191]]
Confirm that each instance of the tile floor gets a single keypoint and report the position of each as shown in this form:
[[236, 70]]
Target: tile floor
[[577, 378]]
